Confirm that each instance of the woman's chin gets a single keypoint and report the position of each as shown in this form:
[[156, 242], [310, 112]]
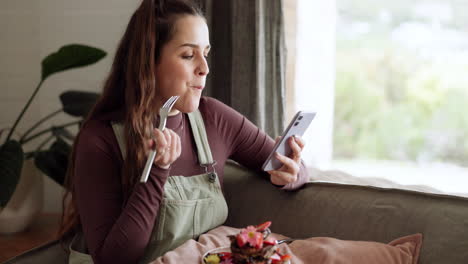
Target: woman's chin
[[189, 108]]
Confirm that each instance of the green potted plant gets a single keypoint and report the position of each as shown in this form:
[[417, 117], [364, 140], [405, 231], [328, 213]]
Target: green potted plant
[[50, 155], [52, 161]]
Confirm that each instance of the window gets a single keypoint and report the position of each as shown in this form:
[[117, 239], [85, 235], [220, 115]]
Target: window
[[395, 75]]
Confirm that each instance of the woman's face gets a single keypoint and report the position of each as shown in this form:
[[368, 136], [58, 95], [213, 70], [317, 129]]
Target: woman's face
[[182, 66]]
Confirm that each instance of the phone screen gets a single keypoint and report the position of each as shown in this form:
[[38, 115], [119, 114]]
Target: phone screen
[[297, 126]]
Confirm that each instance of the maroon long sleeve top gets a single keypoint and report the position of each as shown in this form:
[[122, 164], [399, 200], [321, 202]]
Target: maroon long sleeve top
[[118, 233]]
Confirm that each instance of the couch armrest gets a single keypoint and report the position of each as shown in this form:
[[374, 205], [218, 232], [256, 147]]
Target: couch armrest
[[351, 212]]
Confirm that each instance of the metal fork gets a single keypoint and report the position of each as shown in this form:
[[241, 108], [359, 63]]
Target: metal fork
[[163, 113], [287, 241]]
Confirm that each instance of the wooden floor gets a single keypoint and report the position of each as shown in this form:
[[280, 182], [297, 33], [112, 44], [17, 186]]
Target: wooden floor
[[40, 232]]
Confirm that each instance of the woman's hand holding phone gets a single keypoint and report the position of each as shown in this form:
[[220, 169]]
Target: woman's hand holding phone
[[288, 172], [284, 161]]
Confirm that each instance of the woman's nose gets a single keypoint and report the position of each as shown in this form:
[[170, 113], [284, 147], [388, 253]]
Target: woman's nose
[[203, 68]]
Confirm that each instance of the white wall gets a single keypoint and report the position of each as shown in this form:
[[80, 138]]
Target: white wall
[[29, 31]]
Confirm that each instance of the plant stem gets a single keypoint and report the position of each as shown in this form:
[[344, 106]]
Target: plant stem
[[24, 110], [29, 155], [38, 123], [32, 154], [44, 143], [26, 140]]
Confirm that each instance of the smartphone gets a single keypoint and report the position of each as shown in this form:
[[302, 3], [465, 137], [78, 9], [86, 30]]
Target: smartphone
[[297, 126]]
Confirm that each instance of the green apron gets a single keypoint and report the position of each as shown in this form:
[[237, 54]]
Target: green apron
[[190, 206]]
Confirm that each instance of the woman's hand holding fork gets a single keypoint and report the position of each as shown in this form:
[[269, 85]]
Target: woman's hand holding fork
[[167, 146]]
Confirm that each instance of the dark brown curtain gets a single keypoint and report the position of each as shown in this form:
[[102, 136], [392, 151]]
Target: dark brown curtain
[[248, 59]]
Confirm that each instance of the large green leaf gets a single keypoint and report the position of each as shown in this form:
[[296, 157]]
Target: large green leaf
[[69, 57], [11, 163], [78, 103], [54, 162]]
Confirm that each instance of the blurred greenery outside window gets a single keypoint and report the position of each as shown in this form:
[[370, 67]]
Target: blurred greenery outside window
[[401, 90], [400, 87], [402, 81]]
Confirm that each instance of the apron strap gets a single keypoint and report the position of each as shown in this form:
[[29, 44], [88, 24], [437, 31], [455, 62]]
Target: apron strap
[[201, 139], [199, 133]]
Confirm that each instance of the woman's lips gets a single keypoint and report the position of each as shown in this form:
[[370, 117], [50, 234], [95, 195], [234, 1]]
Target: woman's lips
[[198, 87]]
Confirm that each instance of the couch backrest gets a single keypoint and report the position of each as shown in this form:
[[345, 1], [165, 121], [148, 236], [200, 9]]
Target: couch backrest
[[352, 213], [334, 210]]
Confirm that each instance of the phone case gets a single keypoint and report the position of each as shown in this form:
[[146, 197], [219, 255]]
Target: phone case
[[297, 126]]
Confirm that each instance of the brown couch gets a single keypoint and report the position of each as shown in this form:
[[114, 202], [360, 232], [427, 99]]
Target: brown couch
[[343, 211]]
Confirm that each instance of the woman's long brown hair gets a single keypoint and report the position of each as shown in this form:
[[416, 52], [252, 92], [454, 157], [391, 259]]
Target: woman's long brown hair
[[131, 85]]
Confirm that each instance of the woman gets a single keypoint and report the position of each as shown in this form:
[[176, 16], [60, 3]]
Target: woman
[[114, 217]]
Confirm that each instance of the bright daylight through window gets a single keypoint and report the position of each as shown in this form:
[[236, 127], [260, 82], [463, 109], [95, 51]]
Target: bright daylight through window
[[389, 80], [401, 91]]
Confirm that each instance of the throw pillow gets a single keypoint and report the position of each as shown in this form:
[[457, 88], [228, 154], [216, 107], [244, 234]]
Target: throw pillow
[[316, 250], [326, 250]]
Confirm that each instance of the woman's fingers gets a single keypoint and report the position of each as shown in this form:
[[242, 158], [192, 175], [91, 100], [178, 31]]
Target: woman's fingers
[[167, 150], [178, 146], [173, 149], [160, 139], [299, 142], [296, 149], [150, 143], [291, 165], [168, 147], [281, 177]]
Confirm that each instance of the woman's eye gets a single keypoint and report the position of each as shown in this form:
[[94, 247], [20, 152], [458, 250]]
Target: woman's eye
[[187, 57]]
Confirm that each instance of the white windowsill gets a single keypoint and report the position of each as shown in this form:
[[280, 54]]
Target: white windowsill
[[446, 178]]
